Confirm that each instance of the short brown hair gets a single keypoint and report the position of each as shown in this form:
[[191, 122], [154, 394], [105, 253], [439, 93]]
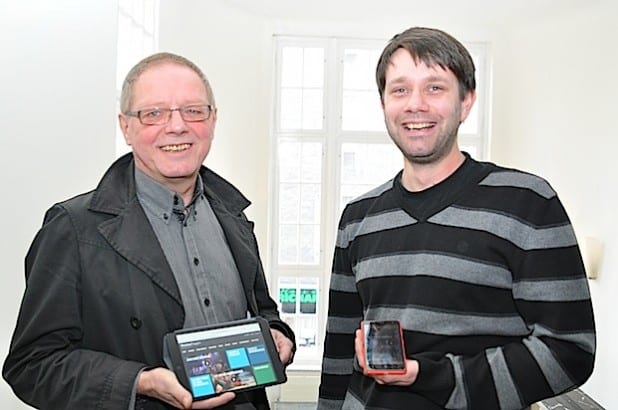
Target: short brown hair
[[431, 46]]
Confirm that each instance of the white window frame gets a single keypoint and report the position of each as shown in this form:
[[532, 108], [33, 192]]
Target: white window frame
[[332, 138]]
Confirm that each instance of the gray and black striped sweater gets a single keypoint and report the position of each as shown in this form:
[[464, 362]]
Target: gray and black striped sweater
[[484, 272]]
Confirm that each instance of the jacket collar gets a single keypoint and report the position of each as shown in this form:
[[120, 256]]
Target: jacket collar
[[116, 190], [130, 234]]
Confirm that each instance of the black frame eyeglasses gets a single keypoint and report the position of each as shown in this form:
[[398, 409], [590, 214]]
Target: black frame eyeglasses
[[160, 116]]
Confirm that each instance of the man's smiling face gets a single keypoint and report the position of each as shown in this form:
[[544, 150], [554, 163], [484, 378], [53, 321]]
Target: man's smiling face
[[423, 108], [173, 151]]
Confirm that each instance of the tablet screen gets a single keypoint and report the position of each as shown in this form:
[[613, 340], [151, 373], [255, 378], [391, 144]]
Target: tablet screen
[[226, 358]]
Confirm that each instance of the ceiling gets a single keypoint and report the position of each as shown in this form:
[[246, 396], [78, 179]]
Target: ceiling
[[492, 12]]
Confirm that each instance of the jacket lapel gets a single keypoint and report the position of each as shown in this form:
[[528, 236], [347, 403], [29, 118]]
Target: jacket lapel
[[131, 235], [128, 230], [239, 234]]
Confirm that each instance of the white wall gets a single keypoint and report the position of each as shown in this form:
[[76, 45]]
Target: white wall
[[57, 116], [233, 51], [555, 88], [555, 114]]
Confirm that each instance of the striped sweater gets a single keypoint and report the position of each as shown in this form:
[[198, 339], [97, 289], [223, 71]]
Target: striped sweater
[[483, 271]]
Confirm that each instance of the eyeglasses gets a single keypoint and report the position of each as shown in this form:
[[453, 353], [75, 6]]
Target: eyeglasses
[[160, 116]]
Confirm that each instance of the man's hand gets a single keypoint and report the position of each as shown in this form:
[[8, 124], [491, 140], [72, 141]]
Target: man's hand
[[162, 384], [405, 379], [284, 347], [214, 402]]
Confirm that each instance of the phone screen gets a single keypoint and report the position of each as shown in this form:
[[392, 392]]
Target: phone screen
[[383, 346]]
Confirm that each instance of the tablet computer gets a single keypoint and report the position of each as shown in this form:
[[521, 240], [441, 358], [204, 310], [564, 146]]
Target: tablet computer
[[232, 356]]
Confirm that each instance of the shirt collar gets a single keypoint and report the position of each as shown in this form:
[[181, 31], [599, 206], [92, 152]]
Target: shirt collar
[[161, 200]]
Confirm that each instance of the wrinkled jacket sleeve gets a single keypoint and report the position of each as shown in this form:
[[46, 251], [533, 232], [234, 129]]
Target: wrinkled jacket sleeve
[[46, 365]]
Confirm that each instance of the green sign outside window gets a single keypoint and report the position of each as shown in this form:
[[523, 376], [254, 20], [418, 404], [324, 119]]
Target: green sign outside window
[[287, 298], [308, 299]]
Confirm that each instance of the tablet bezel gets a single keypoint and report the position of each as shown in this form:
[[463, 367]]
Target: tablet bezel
[[174, 360]]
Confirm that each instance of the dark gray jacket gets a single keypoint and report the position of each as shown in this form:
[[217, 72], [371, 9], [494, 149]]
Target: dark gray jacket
[[100, 295]]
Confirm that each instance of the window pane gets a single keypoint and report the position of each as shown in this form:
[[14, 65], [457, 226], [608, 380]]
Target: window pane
[[361, 102], [289, 203], [373, 163], [361, 111], [359, 66], [309, 244], [301, 109], [300, 195], [308, 300], [310, 203], [288, 240], [311, 162], [365, 166], [312, 109], [291, 108], [292, 67], [298, 303], [287, 298], [313, 68], [302, 88], [288, 294], [289, 157]]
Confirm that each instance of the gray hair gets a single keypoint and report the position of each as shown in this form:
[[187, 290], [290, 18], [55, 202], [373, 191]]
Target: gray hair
[[138, 69]]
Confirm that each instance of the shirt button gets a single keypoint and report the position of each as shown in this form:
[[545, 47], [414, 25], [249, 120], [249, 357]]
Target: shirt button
[[206, 302], [196, 261], [136, 323]]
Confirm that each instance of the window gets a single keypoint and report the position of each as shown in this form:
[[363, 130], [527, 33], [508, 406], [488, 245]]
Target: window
[[330, 145], [138, 22]]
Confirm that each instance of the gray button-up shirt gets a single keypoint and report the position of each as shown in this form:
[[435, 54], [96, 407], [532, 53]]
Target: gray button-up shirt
[[195, 247], [197, 251]]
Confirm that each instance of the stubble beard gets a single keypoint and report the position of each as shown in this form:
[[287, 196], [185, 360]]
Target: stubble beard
[[443, 145]]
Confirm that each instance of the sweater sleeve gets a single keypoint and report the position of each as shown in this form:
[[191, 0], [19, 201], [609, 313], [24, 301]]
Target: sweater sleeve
[[344, 316]]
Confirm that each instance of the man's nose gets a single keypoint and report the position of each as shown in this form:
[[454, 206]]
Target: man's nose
[[417, 101], [176, 122]]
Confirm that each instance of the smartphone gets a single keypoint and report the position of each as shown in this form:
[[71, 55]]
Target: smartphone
[[384, 348], [233, 356]]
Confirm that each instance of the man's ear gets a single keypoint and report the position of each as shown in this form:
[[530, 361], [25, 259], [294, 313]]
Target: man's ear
[[123, 123], [466, 105]]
